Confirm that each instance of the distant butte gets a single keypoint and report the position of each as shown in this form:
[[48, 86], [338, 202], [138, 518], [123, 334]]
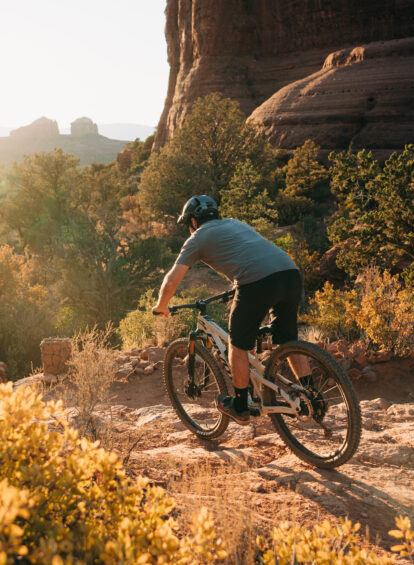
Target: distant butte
[[84, 142], [337, 72]]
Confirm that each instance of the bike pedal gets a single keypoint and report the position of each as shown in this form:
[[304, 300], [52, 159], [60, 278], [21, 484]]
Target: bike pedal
[[254, 411]]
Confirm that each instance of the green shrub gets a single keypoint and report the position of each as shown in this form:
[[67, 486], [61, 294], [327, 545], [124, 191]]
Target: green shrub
[[141, 327], [26, 314]]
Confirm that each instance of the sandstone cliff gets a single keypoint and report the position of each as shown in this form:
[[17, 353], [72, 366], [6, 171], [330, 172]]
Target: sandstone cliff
[[362, 97], [248, 50]]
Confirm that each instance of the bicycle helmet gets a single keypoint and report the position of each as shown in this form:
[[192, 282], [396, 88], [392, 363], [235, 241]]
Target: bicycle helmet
[[199, 207]]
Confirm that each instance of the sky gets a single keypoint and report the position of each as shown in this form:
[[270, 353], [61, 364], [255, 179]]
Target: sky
[[63, 59]]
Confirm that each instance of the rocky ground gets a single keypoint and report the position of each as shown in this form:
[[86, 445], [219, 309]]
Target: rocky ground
[[248, 477], [250, 469]]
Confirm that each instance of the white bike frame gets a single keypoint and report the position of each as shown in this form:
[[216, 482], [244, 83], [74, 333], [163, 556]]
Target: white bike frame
[[219, 340]]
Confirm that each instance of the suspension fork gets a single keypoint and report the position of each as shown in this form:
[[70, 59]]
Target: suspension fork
[[191, 353]]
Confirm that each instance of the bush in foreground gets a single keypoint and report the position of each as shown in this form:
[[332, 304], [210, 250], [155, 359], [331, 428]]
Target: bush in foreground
[[65, 500]]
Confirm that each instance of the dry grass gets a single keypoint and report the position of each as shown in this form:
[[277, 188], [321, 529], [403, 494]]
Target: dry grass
[[91, 372], [224, 492]]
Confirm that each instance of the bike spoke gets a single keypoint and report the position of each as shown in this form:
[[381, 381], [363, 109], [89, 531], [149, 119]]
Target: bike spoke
[[326, 433]]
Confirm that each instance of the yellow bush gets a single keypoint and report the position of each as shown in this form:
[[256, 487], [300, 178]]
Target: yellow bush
[[69, 501], [324, 544], [385, 311], [379, 307], [406, 536], [331, 314]]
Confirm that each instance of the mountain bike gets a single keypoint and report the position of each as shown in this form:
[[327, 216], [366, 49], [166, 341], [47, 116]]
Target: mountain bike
[[318, 418]]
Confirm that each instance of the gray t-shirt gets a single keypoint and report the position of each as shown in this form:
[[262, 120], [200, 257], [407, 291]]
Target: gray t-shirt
[[235, 249]]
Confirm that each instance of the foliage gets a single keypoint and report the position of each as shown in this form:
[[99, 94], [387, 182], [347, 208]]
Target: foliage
[[306, 186], [379, 308], [405, 534], [330, 313], [375, 209], [71, 222], [324, 544], [202, 157], [384, 309], [306, 260], [141, 327], [65, 500], [91, 373], [26, 313], [305, 176], [39, 200], [247, 199]]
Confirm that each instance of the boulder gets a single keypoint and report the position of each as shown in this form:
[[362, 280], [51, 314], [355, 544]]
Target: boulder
[[56, 352]]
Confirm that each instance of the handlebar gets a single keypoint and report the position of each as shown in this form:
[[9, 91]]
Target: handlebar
[[201, 304]]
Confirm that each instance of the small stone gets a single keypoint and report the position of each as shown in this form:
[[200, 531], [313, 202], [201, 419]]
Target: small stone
[[149, 370], [144, 355], [354, 374], [383, 356], [366, 369], [346, 364], [360, 359], [122, 373]]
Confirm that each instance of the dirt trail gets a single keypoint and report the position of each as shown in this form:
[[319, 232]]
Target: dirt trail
[[373, 488]]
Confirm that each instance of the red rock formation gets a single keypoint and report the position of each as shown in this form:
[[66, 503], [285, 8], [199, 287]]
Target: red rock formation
[[249, 49], [362, 96], [43, 128]]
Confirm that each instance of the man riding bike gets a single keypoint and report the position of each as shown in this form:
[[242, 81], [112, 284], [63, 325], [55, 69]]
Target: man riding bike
[[265, 278]]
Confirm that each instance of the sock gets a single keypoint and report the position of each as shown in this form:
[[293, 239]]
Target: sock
[[240, 402]]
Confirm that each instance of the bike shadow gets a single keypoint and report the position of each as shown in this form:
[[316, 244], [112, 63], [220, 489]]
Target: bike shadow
[[342, 493]]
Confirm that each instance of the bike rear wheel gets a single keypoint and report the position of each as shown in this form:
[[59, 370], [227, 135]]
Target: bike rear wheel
[[195, 406], [327, 431]]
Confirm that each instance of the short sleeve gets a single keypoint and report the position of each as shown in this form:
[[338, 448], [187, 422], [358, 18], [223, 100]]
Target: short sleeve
[[190, 252]]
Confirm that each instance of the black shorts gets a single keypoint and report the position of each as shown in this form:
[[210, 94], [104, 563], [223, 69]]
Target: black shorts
[[279, 293]]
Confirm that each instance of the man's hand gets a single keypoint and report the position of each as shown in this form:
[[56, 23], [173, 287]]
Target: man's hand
[[169, 285], [160, 311]]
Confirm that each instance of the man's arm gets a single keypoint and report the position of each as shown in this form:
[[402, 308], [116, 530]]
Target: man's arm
[[169, 285]]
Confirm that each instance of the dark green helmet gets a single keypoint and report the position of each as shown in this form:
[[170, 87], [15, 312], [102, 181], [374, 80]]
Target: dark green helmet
[[199, 207]]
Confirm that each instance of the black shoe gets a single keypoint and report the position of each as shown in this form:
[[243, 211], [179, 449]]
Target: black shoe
[[225, 404]]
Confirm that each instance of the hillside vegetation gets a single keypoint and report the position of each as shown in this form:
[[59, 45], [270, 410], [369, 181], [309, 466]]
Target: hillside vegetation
[[88, 247], [84, 246]]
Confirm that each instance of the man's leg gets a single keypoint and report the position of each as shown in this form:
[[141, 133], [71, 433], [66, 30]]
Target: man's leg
[[239, 365]]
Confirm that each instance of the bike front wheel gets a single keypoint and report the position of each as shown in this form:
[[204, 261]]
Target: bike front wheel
[[195, 403], [327, 430]]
